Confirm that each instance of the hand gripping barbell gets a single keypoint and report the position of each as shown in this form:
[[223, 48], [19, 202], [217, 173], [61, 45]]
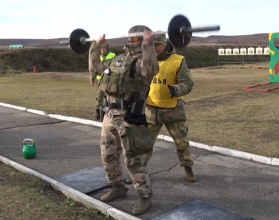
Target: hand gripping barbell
[[179, 31]]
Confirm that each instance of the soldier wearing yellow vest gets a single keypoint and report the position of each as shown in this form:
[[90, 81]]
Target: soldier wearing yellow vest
[[94, 79], [165, 105]]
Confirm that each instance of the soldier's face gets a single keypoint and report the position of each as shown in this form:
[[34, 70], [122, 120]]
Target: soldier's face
[[134, 41], [159, 49], [104, 50]]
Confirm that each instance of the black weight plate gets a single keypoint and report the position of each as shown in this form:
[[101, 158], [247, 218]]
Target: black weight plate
[[75, 43], [179, 40]]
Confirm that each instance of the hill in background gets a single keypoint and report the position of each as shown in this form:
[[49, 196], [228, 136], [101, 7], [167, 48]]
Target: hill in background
[[50, 56], [249, 40]]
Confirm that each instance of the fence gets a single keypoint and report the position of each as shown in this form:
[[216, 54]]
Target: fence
[[243, 55]]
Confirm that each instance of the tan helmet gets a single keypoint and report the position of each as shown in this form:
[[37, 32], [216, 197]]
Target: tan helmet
[[137, 29], [160, 39]]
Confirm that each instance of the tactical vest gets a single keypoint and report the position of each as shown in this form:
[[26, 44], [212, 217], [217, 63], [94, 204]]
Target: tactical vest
[[119, 80], [108, 57], [159, 95]]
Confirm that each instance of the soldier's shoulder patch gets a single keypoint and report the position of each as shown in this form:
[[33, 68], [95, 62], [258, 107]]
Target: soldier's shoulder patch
[[119, 61]]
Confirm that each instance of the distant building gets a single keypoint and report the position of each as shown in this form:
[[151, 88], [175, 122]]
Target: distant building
[[13, 47]]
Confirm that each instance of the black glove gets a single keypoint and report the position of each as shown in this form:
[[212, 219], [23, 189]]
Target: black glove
[[172, 90]]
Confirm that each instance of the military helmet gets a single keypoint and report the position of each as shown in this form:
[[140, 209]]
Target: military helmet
[[138, 29], [161, 39]]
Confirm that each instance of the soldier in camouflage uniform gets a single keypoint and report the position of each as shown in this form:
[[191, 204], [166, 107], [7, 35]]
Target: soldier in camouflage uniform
[[165, 105], [125, 81], [94, 80]]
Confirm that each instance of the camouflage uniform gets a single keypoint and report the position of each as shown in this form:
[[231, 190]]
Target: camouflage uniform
[[100, 95], [120, 131], [174, 119]]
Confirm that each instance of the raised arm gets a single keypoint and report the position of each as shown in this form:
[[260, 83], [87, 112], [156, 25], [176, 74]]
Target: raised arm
[[149, 62], [96, 66]]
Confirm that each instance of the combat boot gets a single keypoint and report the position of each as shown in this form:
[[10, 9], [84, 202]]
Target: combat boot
[[190, 176], [142, 205], [116, 192], [98, 115], [128, 181]]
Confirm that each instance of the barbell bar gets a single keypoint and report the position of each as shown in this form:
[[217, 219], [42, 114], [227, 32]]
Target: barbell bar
[[179, 32]]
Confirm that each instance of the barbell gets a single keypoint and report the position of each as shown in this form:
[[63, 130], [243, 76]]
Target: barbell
[[179, 32]]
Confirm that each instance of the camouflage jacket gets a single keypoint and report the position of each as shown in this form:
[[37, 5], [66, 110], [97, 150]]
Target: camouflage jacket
[[147, 68], [183, 87], [94, 75]]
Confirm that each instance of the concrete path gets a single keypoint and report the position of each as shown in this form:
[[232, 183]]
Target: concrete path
[[63, 148]]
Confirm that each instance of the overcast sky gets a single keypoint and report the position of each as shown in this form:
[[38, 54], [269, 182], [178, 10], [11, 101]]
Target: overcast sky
[[57, 18]]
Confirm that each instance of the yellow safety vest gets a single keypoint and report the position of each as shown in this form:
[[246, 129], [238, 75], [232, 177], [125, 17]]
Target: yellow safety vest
[[159, 95], [108, 57]]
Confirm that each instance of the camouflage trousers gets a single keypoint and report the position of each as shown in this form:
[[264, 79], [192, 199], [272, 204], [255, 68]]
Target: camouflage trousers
[[114, 141], [99, 98], [178, 131]]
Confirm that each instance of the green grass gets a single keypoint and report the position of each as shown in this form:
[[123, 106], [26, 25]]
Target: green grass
[[24, 197]]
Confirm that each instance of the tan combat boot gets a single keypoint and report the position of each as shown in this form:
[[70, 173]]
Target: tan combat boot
[[116, 192], [190, 176], [142, 205], [128, 181]]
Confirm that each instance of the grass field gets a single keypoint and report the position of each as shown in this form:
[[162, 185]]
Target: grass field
[[24, 197], [219, 113]]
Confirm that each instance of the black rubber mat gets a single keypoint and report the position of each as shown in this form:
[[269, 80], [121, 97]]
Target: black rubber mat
[[86, 181], [197, 210]]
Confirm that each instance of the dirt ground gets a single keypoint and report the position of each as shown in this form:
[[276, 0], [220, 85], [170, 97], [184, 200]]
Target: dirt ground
[[219, 112]]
